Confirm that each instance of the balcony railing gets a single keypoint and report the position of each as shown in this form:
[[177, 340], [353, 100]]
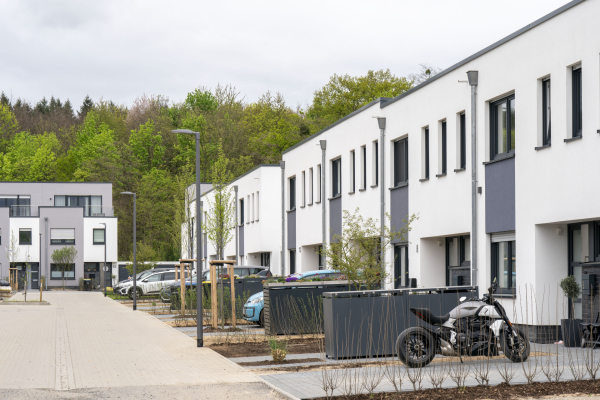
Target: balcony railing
[[23, 211], [88, 211], [98, 211]]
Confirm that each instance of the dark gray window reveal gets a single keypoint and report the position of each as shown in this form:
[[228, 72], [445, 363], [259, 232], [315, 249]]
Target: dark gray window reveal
[[502, 129], [400, 161], [577, 102], [292, 193], [336, 177]]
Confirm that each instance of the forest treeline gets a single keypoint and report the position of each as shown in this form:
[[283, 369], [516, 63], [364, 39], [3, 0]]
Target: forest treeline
[[132, 147]]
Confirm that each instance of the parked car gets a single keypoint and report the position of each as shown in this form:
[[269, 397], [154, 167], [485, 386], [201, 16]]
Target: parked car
[[240, 271], [165, 292], [253, 309], [139, 277], [150, 284]]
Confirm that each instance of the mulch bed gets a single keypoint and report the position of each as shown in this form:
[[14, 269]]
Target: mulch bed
[[295, 346], [271, 362], [502, 391]]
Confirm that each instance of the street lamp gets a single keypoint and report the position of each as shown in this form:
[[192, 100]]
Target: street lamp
[[134, 259], [103, 274], [199, 310]]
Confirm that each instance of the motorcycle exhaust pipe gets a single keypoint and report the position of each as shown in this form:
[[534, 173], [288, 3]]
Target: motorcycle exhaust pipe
[[446, 349]]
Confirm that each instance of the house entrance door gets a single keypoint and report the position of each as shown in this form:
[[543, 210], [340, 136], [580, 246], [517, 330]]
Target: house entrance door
[[576, 251]]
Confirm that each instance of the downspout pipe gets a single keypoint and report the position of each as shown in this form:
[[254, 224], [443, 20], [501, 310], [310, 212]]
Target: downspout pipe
[[323, 144], [46, 253], [473, 77], [381, 122], [282, 267], [237, 256]]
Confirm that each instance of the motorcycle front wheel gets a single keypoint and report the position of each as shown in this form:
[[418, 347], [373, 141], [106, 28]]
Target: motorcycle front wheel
[[415, 347], [515, 348]]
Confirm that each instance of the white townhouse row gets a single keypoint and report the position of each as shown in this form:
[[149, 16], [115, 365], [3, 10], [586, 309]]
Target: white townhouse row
[[531, 105], [37, 218]]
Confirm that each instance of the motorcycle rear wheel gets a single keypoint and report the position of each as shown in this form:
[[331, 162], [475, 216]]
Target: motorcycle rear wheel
[[415, 347], [516, 350]]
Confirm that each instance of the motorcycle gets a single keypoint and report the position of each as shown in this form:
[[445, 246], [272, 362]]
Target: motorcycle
[[476, 327]]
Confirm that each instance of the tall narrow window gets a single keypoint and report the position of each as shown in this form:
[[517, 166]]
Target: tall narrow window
[[376, 163], [303, 188], [336, 178], [504, 264], [248, 209], [426, 153], [257, 204], [241, 212], [463, 141], [502, 127], [444, 149], [253, 219], [577, 102], [352, 171], [310, 187], [400, 161], [546, 134], [292, 193], [364, 167], [319, 186]]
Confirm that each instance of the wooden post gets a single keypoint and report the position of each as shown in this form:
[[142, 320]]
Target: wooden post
[[182, 285], [213, 295], [231, 277]]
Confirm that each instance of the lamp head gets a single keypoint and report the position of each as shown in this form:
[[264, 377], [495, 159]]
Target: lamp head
[[184, 131], [127, 193]]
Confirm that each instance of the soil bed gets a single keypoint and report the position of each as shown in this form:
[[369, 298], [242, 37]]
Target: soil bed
[[210, 329], [502, 391], [295, 346], [271, 362]]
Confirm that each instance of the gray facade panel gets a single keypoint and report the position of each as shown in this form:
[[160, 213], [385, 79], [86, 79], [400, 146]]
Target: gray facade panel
[[61, 217], [335, 217], [399, 208], [241, 239], [500, 196], [291, 230], [42, 193]]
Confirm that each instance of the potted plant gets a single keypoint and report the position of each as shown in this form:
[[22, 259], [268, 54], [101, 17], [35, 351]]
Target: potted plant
[[571, 328]]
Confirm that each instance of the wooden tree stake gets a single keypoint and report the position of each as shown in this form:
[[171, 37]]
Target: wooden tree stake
[[231, 278]]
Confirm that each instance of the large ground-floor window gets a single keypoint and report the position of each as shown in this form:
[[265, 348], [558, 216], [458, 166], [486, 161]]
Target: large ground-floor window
[[504, 261], [458, 261], [56, 271]]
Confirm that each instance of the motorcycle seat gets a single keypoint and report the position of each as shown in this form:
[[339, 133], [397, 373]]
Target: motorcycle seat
[[428, 317]]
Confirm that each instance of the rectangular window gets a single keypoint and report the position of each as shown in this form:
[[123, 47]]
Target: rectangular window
[[502, 129], [292, 261], [248, 209], [257, 205], [444, 149], [577, 102], [57, 271], [546, 131], [336, 178], [253, 219], [92, 205], [303, 188], [24, 236], [320, 255], [0, 236], [426, 153], [99, 235], [241, 211], [463, 141], [310, 187], [400, 161], [504, 259], [292, 193], [364, 167], [376, 163], [62, 236], [352, 171], [319, 185]]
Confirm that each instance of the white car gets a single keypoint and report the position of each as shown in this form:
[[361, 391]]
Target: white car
[[151, 284]]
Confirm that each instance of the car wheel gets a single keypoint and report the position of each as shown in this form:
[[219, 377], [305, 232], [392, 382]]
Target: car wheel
[[261, 319]]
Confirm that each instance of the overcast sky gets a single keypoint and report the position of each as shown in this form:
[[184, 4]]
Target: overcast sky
[[120, 50]]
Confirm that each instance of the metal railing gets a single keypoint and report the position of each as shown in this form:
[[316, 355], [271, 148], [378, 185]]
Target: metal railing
[[98, 211], [23, 211]]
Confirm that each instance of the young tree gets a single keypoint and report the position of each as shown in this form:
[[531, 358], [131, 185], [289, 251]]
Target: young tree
[[64, 259], [220, 220], [183, 234], [146, 258], [426, 71], [12, 251], [356, 252]]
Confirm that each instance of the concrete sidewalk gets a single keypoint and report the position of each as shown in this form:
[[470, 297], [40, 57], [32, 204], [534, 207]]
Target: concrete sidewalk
[[84, 340]]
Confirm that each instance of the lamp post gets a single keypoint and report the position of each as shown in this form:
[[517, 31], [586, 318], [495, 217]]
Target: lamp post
[[103, 274], [199, 310], [134, 255]]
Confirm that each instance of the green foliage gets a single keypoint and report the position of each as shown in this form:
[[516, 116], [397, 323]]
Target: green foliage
[[145, 257], [570, 287], [201, 100], [344, 94], [30, 158], [8, 125], [356, 253], [63, 258], [147, 146]]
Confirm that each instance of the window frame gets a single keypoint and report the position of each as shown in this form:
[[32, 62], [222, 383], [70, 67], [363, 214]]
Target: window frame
[[242, 211], [494, 154], [426, 152], [495, 266], [577, 101], [319, 183], [364, 167], [546, 112], [303, 188], [104, 236], [21, 243], [353, 171], [62, 273], [292, 193], [444, 149], [336, 177], [400, 159], [311, 189], [375, 163], [463, 140]]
